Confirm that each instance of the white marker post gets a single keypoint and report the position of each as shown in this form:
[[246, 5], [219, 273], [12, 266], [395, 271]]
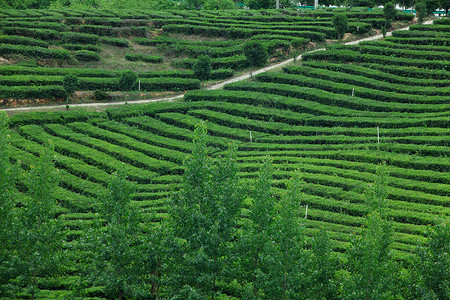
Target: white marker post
[[250, 136], [139, 85], [306, 212], [353, 92], [378, 134]]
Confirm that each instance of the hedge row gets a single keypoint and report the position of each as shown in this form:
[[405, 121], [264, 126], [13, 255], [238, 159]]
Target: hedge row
[[35, 25], [329, 103], [86, 55], [196, 50], [348, 89], [115, 42], [147, 84], [401, 178], [236, 62], [21, 40], [166, 40], [77, 47], [89, 155], [122, 140], [147, 137], [34, 51], [295, 42], [393, 45], [146, 58], [21, 70], [335, 55], [340, 118], [166, 130], [79, 38], [43, 34], [71, 165], [436, 27], [419, 41], [10, 70], [215, 74], [27, 92], [377, 74], [425, 176], [420, 33], [60, 117], [411, 72], [357, 80], [233, 33]]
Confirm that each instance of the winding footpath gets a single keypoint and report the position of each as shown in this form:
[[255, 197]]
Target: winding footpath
[[213, 87]]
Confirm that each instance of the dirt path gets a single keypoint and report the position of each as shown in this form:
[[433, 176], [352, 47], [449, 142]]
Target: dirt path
[[213, 87]]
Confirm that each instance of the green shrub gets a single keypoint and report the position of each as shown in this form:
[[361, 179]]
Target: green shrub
[[34, 51], [70, 83], [255, 53], [340, 23], [86, 55], [202, 67], [127, 81]]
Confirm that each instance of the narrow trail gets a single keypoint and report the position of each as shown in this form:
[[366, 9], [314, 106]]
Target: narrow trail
[[213, 87]]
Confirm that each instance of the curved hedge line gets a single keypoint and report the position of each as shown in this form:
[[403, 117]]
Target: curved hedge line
[[35, 51], [26, 92], [22, 40]]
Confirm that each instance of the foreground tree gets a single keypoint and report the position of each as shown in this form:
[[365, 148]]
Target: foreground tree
[[202, 67], [389, 13], [255, 236], [256, 53], [372, 270], [340, 23], [204, 216], [120, 256], [433, 265], [286, 260], [70, 84], [8, 221], [127, 81], [40, 232]]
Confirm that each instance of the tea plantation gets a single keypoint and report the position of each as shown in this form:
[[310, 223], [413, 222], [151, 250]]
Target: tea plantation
[[160, 46], [334, 117]]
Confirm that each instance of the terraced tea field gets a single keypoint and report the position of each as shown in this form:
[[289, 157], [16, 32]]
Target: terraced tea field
[[160, 46], [335, 117]]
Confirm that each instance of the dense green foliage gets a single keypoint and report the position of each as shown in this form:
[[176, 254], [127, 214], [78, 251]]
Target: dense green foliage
[[128, 81], [340, 23], [255, 53], [334, 229], [202, 67]]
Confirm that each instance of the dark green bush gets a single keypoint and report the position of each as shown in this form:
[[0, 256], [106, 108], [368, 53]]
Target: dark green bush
[[255, 53], [127, 81], [340, 23], [389, 13], [202, 67], [70, 83]]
